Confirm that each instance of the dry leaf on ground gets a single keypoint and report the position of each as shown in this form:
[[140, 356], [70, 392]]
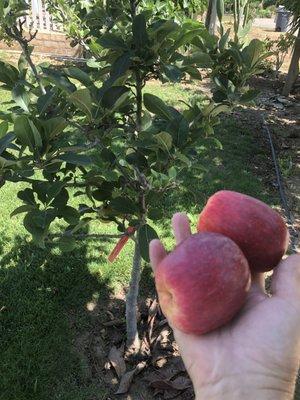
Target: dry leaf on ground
[[117, 361], [127, 378]]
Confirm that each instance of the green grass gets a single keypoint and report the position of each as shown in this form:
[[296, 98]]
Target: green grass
[[5, 99], [44, 294], [174, 94]]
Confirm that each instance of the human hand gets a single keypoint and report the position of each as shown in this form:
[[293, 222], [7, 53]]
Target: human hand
[[257, 355]]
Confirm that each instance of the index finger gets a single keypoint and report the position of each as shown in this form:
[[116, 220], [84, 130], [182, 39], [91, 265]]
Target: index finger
[[181, 227], [157, 253]]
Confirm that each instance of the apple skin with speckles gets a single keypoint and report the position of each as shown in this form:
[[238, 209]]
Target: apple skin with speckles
[[203, 283], [256, 228]]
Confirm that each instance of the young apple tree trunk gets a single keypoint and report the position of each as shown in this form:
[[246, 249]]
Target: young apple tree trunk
[[294, 68], [131, 300]]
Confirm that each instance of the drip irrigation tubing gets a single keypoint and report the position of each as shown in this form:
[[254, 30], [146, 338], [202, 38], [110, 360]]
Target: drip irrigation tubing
[[289, 216]]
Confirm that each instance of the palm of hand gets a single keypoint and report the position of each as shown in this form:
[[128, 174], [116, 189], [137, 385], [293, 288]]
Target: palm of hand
[[259, 350]]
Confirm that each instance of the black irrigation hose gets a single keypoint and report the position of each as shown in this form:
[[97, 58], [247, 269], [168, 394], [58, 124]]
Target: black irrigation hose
[[288, 214]]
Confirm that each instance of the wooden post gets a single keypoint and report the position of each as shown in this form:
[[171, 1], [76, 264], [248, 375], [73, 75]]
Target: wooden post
[[47, 18], [41, 14], [294, 68], [34, 14]]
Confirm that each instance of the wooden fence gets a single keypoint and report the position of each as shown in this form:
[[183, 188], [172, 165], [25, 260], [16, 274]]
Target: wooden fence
[[39, 18]]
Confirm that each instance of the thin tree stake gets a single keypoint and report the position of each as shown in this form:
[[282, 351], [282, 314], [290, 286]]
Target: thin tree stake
[[131, 300]]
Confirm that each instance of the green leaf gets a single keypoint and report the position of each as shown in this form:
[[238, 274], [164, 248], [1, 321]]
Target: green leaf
[[173, 73], [180, 132], [8, 74], [104, 192], [120, 66], [193, 72], [108, 156], [47, 191], [137, 159], [252, 52], [41, 189], [121, 102], [164, 139], [123, 205], [172, 173], [217, 143], [155, 214], [139, 30], [5, 141], [44, 101], [79, 75], [27, 196], [76, 159], [67, 244], [32, 227], [183, 159], [22, 63], [164, 27], [186, 37], [54, 126], [38, 220], [113, 94], [112, 41], [22, 209], [70, 215], [222, 108], [21, 97], [61, 199], [249, 96], [37, 223], [4, 163], [54, 189], [145, 235], [83, 100], [224, 40], [27, 133], [59, 80], [157, 106], [37, 139], [200, 59], [3, 128]]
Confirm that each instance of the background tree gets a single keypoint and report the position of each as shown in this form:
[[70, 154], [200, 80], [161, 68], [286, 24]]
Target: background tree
[[294, 7], [211, 16]]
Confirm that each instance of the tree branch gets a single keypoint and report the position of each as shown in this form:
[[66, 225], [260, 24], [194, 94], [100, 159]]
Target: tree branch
[[17, 34], [83, 236], [139, 100]]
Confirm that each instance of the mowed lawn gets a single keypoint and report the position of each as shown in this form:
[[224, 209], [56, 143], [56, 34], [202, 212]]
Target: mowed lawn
[[44, 294]]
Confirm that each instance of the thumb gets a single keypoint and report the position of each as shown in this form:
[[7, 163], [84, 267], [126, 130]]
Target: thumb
[[286, 280]]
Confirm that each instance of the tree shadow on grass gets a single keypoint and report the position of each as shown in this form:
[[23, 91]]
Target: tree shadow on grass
[[46, 304]]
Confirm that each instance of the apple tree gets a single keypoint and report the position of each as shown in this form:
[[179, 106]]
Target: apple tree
[[91, 133]]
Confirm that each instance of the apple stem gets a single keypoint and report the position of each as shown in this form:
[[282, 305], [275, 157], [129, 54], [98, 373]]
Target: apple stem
[[132, 300]]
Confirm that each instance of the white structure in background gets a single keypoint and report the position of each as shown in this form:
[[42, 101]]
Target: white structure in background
[[40, 19]]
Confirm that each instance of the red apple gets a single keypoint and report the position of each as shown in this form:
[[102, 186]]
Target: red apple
[[257, 229], [203, 283]]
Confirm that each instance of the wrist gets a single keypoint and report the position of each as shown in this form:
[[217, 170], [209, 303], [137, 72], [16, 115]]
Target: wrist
[[267, 394], [246, 389]]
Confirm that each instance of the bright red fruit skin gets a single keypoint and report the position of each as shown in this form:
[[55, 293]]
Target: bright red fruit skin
[[203, 283], [257, 229]]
